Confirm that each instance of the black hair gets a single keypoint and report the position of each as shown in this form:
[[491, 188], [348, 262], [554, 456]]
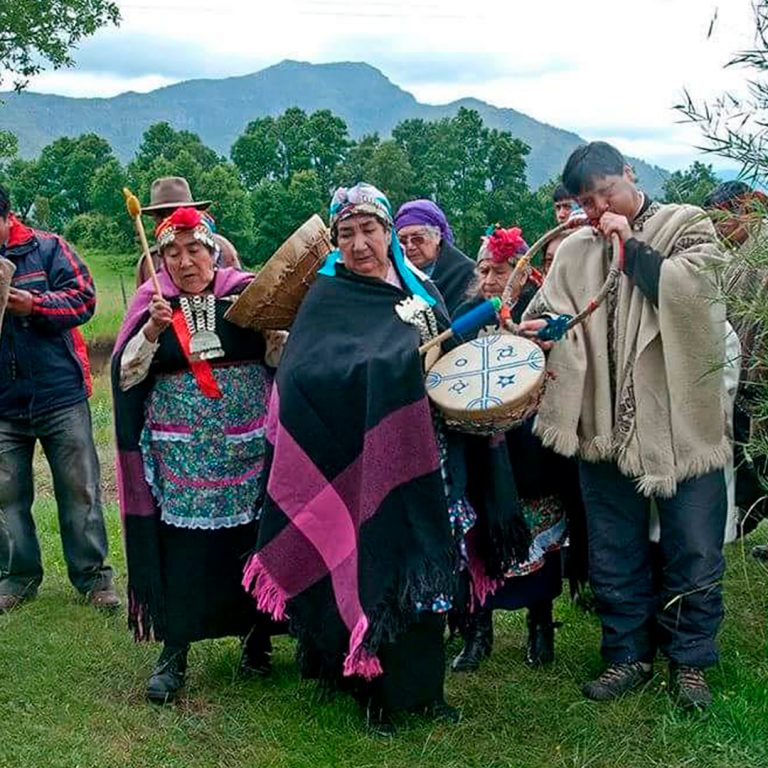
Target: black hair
[[725, 193], [5, 203], [561, 193], [589, 162]]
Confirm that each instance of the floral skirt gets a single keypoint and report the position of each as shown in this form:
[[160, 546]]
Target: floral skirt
[[204, 457]]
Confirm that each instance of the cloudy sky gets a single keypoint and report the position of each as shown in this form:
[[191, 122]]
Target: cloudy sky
[[608, 69]]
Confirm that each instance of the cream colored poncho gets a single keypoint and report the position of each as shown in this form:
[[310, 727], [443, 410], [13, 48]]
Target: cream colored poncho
[[638, 384]]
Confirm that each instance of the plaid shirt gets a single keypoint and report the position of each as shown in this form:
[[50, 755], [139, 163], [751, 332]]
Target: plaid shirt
[[43, 358]]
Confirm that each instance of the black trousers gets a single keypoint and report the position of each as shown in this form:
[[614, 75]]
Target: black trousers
[[750, 494], [681, 612]]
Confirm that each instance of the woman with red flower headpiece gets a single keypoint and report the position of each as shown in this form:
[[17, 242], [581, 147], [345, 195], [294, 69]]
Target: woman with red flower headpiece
[[190, 392], [535, 583]]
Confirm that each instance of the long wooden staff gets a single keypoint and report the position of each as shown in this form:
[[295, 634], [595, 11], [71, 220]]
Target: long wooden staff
[[596, 301], [134, 211]]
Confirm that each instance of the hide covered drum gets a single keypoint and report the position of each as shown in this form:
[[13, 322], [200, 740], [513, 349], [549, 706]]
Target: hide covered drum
[[488, 385], [271, 301]]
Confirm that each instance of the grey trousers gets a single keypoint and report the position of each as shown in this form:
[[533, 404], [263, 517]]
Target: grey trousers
[[67, 441], [680, 615]]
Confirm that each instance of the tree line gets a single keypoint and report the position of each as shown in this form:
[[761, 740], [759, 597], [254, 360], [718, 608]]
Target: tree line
[[283, 169]]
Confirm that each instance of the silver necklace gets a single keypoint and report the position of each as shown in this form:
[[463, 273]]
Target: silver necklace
[[200, 316]]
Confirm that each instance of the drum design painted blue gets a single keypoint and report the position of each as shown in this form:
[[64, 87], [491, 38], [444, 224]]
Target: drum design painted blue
[[484, 373]]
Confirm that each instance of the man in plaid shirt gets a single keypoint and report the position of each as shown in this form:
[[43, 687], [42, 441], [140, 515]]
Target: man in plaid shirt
[[44, 388]]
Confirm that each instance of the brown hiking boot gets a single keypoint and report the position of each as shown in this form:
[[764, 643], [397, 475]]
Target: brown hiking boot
[[689, 688], [105, 600], [617, 680]]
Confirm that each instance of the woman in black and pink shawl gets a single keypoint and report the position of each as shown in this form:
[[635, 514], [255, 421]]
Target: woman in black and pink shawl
[[190, 391], [355, 542]]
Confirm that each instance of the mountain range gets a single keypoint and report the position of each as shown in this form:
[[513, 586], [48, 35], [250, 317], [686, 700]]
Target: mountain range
[[218, 111]]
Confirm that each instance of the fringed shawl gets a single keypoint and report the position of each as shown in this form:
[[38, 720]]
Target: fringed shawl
[[354, 538]]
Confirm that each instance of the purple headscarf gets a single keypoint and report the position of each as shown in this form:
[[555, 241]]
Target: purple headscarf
[[423, 212]]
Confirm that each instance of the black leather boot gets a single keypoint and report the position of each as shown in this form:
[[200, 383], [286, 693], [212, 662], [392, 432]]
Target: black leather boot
[[256, 654], [478, 641], [540, 648], [168, 676]]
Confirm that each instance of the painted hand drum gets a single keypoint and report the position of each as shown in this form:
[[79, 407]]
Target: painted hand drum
[[271, 301], [488, 385]]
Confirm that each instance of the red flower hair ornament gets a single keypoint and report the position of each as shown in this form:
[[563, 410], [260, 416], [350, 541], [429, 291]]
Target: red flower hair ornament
[[185, 219], [502, 245]]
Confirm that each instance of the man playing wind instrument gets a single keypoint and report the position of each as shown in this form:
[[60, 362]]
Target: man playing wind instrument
[[637, 393]]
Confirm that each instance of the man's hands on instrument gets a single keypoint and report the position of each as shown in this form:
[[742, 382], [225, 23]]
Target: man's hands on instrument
[[20, 302], [160, 317], [613, 223], [531, 328]]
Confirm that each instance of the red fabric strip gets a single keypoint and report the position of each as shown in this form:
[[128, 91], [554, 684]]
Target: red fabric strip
[[201, 369], [81, 350]]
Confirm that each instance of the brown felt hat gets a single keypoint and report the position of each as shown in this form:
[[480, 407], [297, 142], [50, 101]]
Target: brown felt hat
[[171, 192]]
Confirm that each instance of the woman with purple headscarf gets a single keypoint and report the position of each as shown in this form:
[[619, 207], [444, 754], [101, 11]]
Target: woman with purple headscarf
[[427, 239]]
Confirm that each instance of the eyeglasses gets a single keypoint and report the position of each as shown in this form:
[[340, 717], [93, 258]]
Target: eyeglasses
[[415, 240]]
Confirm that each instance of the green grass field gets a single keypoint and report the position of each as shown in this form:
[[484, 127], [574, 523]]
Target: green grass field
[[114, 276], [71, 691]]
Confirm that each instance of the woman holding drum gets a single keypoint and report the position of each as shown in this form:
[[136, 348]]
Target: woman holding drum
[[535, 582], [355, 543]]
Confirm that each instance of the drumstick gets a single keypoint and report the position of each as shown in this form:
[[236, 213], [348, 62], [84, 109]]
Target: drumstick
[[525, 259], [134, 211], [613, 274], [557, 327], [471, 321]]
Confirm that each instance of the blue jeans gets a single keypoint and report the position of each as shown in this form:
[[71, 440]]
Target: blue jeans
[[678, 613], [67, 441]]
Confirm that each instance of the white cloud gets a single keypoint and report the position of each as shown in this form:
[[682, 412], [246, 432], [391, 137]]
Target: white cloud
[[95, 84], [597, 67]]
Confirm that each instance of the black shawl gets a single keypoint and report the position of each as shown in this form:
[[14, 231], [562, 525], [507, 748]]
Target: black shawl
[[452, 275]]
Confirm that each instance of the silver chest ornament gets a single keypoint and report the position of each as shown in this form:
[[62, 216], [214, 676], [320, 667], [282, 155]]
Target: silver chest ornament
[[415, 311], [200, 316]]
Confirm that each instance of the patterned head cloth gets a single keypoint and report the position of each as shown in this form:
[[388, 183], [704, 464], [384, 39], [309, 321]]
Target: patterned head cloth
[[500, 245], [365, 199], [358, 200], [423, 212], [182, 220]]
